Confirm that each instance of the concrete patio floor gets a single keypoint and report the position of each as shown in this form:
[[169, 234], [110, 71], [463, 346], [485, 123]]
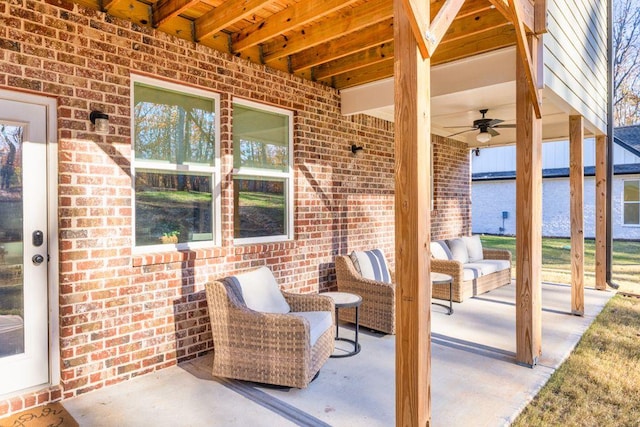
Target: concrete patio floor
[[475, 380]]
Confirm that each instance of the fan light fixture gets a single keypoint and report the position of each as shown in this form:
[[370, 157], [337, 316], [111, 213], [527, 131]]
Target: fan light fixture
[[483, 136]]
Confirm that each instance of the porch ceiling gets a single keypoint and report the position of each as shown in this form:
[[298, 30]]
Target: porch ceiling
[[342, 43]]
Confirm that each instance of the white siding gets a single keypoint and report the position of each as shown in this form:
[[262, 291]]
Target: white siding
[[575, 56], [490, 198]]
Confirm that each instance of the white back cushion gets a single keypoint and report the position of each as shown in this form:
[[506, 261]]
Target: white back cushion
[[458, 250], [474, 247], [260, 291], [440, 250], [371, 265]]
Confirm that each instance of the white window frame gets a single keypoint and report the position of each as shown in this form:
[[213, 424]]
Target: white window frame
[[288, 176], [623, 202], [185, 168]]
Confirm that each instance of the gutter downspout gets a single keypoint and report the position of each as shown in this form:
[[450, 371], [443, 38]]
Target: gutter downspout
[[610, 142]]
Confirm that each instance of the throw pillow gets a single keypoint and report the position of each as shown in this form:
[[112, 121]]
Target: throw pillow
[[371, 265], [458, 250], [474, 248], [440, 250], [260, 291]]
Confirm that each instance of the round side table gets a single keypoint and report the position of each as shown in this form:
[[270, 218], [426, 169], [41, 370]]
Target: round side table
[[346, 300], [443, 279]]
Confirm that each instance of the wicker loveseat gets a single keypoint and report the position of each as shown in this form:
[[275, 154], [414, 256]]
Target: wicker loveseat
[[475, 270], [378, 309], [286, 347]]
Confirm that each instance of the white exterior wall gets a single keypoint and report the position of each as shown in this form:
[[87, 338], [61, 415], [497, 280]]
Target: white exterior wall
[[575, 56], [490, 198]]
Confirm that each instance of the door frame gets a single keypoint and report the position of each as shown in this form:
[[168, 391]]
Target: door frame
[[51, 105]]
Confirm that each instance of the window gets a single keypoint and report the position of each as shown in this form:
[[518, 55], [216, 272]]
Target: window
[[631, 203], [262, 181], [175, 164]]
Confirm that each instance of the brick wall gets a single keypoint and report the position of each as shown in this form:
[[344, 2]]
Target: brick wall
[[451, 216], [124, 315]]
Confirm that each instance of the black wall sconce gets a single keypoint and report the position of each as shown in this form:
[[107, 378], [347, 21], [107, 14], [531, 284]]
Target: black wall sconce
[[100, 121], [356, 149], [476, 151]]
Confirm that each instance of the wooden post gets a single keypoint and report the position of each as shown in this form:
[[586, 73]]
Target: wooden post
[[528, 219], [413, 222], [601, 212], [576, 184]]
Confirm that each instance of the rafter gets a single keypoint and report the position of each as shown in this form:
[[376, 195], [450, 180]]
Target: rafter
[[354, 61], [524, 53], [165, 10], [228, 13], [350, 20], [344, 46], [287, 20], [378, 71]]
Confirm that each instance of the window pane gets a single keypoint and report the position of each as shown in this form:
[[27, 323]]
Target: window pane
[[173, 127], [632, 213], [260, 139], [260, 207], [631, 191], [173, 208]]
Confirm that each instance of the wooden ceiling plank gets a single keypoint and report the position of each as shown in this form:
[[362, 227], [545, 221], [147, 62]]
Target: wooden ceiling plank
[[441, 23], [419, 26], [165, 10], [344, 46], [354, 61], [474, 44], [350, 21], [472, 24], [228, 13], [378, 71], [134, 11], [288, 19], [524, 53]]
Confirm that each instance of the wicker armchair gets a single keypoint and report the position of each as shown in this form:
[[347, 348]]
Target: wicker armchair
[[266, 347], [378, 309]]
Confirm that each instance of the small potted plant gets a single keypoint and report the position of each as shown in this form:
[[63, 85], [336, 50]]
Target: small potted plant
[[170, 237]]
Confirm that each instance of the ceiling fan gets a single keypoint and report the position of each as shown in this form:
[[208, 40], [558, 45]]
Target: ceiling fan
[[486, 127]]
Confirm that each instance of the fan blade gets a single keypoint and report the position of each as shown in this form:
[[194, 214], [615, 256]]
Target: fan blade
[[505, 126], [458, 133], [494, 122], [458, 127], [493, 132]]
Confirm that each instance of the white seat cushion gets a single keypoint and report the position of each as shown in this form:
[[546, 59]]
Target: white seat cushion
[[319, 322], [371, 265], [440, 250], [458, 249], [473, 270], [260, 291], [474, 247]]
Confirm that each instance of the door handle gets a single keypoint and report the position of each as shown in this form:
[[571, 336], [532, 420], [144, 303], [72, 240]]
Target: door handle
[[37, 259]]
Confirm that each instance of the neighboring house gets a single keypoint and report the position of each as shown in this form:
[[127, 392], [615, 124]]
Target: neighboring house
[[494, 199]]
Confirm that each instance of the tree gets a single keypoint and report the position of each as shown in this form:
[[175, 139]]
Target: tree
[[626, 66]]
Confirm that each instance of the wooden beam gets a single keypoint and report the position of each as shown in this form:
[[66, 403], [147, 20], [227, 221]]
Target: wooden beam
[[351, 20], [540, 17], [601, 212], [419, 25], [576, 184], [412, 224], [528, 221], [228, 13], [364, 75], [358, 60], [344, 46], [524, 54], [287, 20], [525, 11], [441, 23], [165, 10]]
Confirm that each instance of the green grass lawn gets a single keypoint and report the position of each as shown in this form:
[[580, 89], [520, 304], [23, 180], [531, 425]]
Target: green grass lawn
[[556, 259], [599, 384]]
